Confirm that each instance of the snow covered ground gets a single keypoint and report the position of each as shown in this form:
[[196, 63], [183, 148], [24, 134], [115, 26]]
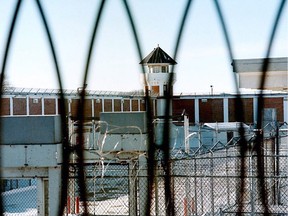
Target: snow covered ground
[[21, 201]]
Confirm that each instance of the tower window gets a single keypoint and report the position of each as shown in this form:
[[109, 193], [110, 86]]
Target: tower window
[[164, 69], [156, 69], [159, 69]]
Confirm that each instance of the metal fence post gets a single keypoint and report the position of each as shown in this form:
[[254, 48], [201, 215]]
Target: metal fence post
[[143, 185], [195, 185], [132, 188], [54, 189], [212, 181], [252, 184], [40, 196]]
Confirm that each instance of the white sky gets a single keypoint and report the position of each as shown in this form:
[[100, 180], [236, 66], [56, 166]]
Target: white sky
[[202, 59]]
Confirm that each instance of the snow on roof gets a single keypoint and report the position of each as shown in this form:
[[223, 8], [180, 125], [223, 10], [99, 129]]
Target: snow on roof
[[225, 126]]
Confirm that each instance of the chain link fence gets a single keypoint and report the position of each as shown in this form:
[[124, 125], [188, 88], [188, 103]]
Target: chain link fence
[[19, 196], [204, 184], [107, 186]]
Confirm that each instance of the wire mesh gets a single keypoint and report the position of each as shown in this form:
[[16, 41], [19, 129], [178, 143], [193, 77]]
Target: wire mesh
[[245, 177], [204, 184]]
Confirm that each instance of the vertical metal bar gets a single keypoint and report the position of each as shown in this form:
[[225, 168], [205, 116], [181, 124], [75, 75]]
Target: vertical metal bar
[[56, 106], [93, 144], [122, 104], [197, 110], [156, 188], [201, 187], [195, 186], [27, 106], [186, 134], [112, 104], [103, 104], [40, 197], [92, 108], [143, 185], [139, 105], [54, 189], [252, 180], [212, 182], [227, 178], [255, 108], [285, 108], [11, 105], [277, 143], [187, 188], [42, 106], [226, 109], [154, 106], [273, 162], [132, 188]]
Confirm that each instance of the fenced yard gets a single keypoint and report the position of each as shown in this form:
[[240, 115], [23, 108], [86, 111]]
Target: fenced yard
[[204, 184]]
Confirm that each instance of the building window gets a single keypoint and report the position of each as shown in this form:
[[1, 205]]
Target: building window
[[164, 69], [157, 69]]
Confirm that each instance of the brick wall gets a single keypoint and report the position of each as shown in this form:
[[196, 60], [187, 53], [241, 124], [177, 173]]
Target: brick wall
[[19, 106], [87, 108], [135, 105], [276, 103], [5, 106], [117, 105], [49, 106], [211, 110], [97, 108], [126, 105], [178, 105], [247, 109], [35, 106], [107, 105]]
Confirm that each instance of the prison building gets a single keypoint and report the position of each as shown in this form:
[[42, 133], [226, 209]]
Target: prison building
[[250, 71], [199, 108]]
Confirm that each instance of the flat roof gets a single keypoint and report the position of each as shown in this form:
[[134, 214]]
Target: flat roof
[[225, 126], [255, 65]]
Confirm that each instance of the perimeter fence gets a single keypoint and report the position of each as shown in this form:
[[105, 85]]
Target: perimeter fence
[[247, 178], [201, 184]]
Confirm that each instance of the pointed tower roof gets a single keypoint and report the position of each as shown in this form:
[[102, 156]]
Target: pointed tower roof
[[158, 56]]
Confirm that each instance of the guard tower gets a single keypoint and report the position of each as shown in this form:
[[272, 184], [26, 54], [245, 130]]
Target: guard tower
[[157, 77]]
